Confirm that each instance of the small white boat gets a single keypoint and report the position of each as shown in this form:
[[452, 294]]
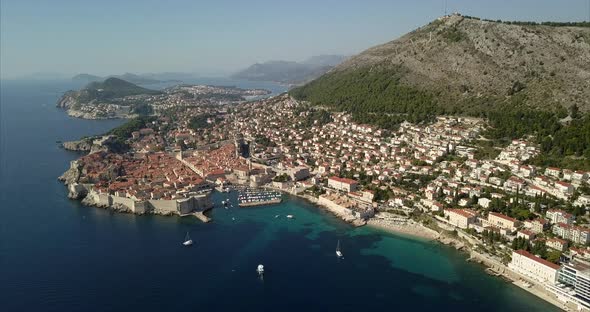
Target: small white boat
[[290, 216], [276, 216], [187, 240], [260, 269], [338, 252]]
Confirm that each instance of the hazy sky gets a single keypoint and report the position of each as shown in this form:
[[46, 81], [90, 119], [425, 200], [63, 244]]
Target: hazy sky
[[221, 36]]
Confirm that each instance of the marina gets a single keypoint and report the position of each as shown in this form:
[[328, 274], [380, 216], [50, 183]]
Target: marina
[[253, 197]]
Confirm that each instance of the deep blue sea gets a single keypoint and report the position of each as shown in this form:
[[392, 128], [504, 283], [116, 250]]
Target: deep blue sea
[[57, 255]]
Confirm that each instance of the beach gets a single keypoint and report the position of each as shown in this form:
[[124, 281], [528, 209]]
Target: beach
[[409, 228]]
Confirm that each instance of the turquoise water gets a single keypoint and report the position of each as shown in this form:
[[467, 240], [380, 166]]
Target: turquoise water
[[57, 255]]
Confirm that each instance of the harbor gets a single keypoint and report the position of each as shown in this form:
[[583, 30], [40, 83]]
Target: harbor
[[258, 197]]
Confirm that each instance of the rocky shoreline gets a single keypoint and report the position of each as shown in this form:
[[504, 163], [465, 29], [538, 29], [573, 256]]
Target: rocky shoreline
[[92, 145], [194, 204], [410, 228], [83, 145]]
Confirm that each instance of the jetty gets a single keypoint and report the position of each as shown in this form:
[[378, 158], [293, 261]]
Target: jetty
[[199, 215]]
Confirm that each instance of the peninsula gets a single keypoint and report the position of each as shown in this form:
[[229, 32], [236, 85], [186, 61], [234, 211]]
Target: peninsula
[[117, 98]]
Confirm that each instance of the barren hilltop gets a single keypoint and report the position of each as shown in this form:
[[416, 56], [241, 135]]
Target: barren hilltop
[[464, 64]]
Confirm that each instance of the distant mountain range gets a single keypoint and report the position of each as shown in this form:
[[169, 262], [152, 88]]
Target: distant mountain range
[[289, 72], [129, 77]]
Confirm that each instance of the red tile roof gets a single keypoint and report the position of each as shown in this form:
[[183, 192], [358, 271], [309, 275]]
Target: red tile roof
[[505, 217], [537, 259], [343, 180], [463, 212]]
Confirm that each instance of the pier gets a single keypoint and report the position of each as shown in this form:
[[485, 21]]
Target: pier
[[252, 198], [260, 202], [199, 215]]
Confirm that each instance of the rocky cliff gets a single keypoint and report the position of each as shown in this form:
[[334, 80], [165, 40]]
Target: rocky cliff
[[107, 143], [68, 100], [83, 145], [72, 175]]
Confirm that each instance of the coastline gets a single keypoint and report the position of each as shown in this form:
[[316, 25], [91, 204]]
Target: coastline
[[410, 229], [491, 266], [413, 230]]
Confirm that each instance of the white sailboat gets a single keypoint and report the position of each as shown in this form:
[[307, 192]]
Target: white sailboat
[[187, 240], [338, 252]]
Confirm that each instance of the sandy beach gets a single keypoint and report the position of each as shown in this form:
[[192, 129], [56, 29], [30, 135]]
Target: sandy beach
[[409, 229]]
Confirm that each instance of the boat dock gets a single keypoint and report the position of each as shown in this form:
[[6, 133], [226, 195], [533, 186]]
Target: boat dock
[[261, 202], [255, 197]]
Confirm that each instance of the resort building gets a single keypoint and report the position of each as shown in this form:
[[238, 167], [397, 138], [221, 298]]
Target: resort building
[[534, 267], [343, 184], [460, 218], [574, 283], [502, 221]]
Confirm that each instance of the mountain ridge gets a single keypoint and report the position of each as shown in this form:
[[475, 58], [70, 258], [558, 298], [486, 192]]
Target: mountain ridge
[[290, 72], [468, 65]]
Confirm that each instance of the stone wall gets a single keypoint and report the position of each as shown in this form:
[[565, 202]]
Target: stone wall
[[335, 208], [118, 201], [194, 203], [163, 206]]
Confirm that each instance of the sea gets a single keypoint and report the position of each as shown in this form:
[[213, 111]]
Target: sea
[[58, 255]]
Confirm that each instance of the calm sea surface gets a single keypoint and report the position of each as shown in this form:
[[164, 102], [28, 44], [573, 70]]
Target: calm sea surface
[[57, 255]]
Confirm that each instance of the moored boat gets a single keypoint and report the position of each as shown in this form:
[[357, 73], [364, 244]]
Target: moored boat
[[187, 240]]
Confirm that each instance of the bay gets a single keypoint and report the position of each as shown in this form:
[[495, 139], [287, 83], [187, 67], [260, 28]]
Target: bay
[[57, 255]]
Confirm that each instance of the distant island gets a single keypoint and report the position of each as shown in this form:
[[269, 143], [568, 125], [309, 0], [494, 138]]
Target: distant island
[[288, 72], [117, 98], [133, 78]]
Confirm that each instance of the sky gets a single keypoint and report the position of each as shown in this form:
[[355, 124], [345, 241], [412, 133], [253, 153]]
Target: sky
[[218, 37]]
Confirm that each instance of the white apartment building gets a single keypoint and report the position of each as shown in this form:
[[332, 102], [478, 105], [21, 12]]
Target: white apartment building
[[534, 267]]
